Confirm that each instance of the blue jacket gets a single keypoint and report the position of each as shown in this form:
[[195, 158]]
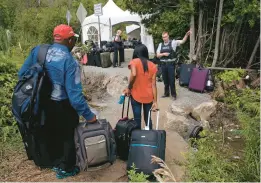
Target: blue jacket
[[64, 72]]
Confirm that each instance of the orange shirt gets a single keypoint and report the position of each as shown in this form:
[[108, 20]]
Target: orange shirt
[[142, 87]]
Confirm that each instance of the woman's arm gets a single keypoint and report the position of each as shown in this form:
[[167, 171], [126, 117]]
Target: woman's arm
[[131, 80], [132, 77], [154, 88]]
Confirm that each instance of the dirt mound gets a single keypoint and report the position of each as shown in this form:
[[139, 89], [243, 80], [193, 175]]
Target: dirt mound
[[23, 170]]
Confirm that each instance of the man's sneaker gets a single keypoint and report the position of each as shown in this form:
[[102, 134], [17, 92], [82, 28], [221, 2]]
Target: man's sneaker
[[63, 174], [55, 169]]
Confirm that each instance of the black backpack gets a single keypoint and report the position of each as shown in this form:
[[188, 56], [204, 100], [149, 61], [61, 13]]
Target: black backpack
[[30, 93], [210, 84]]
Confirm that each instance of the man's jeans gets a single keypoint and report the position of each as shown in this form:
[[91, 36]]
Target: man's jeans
[[136, 107]]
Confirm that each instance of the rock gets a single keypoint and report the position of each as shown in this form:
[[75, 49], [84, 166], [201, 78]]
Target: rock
[[219, 93], [105, 60], [225, 85], [236, 157], [179, 124], [180, 110], [241, 84], [115, 85], [204, 110], [255, 83], [205, 124], [237, 137]]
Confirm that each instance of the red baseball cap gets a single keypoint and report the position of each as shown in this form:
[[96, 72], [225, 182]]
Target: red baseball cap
[[63, 31]]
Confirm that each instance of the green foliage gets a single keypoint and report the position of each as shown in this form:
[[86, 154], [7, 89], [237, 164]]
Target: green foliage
[[4, 46], [210, 163], [213, 163], [170, 16], [247, 104], [230, 76], [136, 177], [85, 48], [244, 9], [8, 130]]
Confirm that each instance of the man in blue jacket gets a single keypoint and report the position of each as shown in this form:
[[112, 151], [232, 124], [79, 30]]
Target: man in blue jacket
[[67, 102]]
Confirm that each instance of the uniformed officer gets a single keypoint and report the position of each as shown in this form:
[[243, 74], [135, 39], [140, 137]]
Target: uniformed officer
[[166, 52]]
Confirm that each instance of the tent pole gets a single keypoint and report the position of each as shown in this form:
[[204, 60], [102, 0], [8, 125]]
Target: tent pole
[[99, 31]]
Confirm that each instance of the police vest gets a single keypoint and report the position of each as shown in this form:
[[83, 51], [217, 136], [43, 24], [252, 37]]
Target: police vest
[[168, 49]]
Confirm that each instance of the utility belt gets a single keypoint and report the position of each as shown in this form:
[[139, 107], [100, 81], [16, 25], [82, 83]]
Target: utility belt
[[168, 62]]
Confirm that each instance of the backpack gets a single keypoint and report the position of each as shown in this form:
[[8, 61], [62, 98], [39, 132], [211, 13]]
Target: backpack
[[210, 84], [30, 93]]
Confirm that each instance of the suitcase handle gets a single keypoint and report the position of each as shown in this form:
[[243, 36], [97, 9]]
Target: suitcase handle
[[128, 107], [148, 124]]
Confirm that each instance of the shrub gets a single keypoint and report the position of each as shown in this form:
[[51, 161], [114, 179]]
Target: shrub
[[136, 177], [8, 129], [212, 162]]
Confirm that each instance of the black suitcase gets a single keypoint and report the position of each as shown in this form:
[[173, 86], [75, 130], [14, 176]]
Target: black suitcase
[[35, 146], [97, 59], [90, 59], [122, 133], [144, 144], [25, 138], [185, 74]]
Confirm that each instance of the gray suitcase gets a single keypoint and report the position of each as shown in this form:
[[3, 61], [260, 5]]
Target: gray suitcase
[[95, 144]]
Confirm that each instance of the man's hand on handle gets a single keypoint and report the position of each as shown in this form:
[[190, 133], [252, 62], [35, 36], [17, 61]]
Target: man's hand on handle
[[93, 120]]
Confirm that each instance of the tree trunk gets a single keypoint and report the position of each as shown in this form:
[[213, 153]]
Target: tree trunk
[[212, 33], [218, 33], [253, 53], [28, 4], [223, 44], [200, 27], [192, 35], [69, 4]]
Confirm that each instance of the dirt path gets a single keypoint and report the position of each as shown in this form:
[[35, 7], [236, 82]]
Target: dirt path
[[24, 170]]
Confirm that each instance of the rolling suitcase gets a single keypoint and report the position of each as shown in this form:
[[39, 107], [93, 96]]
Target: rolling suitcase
[[144, 144], [198, 79], [95, 144], [122, 132], [90, 59], [185, 74], [97, 59]]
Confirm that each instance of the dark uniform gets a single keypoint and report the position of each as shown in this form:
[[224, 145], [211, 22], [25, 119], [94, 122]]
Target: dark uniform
[[118, 47], [168, 67]]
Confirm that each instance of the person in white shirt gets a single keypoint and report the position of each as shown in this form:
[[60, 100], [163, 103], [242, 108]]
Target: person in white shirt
[[166, 52]]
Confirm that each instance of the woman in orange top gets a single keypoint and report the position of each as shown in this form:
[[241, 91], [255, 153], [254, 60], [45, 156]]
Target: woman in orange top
[[142, 84]]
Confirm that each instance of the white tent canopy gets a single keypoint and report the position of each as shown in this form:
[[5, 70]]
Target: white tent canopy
[[131, 28], [113, 15]]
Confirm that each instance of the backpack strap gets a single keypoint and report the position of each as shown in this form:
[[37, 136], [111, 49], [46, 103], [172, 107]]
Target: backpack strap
[[42, 54]]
